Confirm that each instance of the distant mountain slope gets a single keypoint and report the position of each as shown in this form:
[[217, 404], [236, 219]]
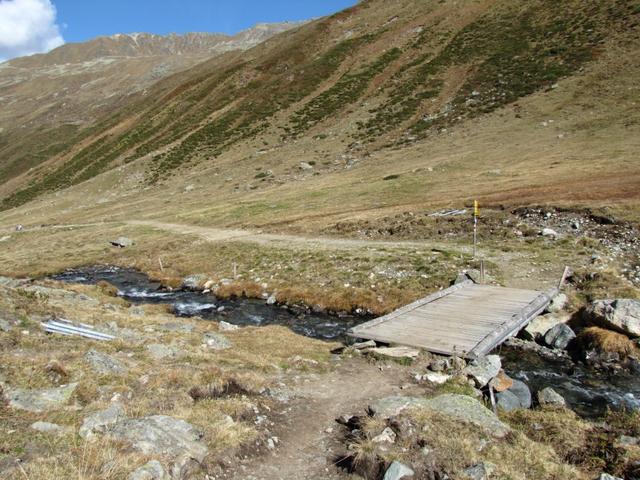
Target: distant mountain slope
[[377, 76], [47, 99]]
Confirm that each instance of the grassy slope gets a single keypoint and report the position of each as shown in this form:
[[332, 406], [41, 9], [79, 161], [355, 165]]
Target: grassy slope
[[383, 81]]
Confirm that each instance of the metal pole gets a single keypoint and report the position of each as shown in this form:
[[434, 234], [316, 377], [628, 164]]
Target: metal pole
[[475, 228]]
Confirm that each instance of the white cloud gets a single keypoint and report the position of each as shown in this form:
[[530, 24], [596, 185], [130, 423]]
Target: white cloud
[[27, 27]]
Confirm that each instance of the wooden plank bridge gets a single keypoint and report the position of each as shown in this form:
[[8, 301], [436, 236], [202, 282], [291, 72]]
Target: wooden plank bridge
[[466, 319]]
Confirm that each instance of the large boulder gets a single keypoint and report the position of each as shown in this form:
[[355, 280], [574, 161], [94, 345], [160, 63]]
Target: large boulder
[[99, 422], [549, 397], [38, 401], [162, 435], [395, 353], [559, 337], [522, 391], [507, 401], [537, 327], [104, 364], [483, 369], [470, 410], [392, 406], [622, 314]]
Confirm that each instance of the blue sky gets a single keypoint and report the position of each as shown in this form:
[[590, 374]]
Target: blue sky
[[84, 19], [36, 26]]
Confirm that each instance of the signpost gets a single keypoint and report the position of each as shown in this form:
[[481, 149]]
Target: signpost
[[476, 212]]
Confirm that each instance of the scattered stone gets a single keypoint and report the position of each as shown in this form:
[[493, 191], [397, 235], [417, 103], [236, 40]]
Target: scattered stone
[[557, 303], [522, 391], [501, 382], [396, 353], [364, 345], [606, 476], [160, 351], [104, 364], [440, 365], [100, 422], [537, 327], [627, 441], [544, 352], [306, 166], [194, 282], [559, 336], [482, 370], [470, 410], [481, 471], [549, 232], [46, 427], [122, 242], [38, 401], [5, 326], [549, 397], [151, 470], [227, 327], [216, 341], [161, 435], [272, 300], [398, 471], [436, 377], [387, 436], [621, 314]]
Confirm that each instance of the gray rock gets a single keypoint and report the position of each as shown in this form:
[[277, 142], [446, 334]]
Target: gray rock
[[46, 427], [122, 242], [606, 476], [387, 436], [5, 326], [392, 406], [160, 351], [440, 365], [481, 471], [559, 337], [537, 327], [180, 327], [549, 232], [151, 470], [100, 422], [522, 391], [272, 300], [162, 435], [216, 341], [470, 410], [396, 353], [398, 471], [38, 401], [306, 166], [483, 369], [507, 401], [557, 303], [227, 327], [364, 345], [436, 377], [621, 314], [194, 282], [549, 397], [104, 364]]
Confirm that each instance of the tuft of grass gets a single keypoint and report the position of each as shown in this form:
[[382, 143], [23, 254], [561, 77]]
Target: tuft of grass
[[606, 341]]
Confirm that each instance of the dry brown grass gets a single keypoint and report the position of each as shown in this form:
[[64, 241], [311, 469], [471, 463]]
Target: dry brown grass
[[240, 289], [606, 341]]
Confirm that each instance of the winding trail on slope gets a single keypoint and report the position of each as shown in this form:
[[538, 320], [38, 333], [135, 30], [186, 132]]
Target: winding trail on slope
[[220, 234], [308, 436]]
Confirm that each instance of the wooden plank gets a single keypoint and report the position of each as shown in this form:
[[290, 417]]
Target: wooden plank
[[466, 319]]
